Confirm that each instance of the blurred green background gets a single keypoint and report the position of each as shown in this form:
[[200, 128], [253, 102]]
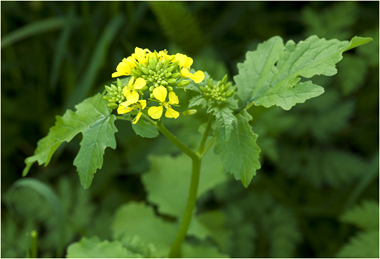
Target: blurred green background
[[319, 159]]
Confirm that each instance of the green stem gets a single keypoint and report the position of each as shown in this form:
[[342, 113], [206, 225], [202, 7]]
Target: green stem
[[176, 247], [176, 141], [191, 200]]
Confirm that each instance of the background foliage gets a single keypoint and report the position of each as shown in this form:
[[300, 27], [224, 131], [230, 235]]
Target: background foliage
[[319, 175]]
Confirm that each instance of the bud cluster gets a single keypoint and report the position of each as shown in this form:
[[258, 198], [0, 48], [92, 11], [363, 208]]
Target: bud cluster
[[115, 95], [217, 92]]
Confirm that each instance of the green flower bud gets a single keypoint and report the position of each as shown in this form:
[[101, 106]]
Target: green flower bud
[[136, 73], [119, 83], [170, 89], [109, 89], [189, 112], [164, 83], [183, 83], [224, 80], [223, 99], [144, 69], [153, 63], [152, 72], [114, 88], [171, 81], [175, 75], [112, 105], [166, 64], [203, 89], [158, 66], [172, 67], [144, 88], [151, 88], [209, 83], [167, 75], [225, 88], [145, 77], [107, 97], [219, 84], [230, 93]]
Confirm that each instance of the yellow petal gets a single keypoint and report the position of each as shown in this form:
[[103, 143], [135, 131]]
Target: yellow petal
[[136, 119], [140, 83], [198, 77], [173, 98], [124, 109], [126, 91], [181, 59], [155, 112], [188, 62], [131, 80], [133, 97], [143, 104], [170, 113], [185, 73], [160, 93], [116, 74]]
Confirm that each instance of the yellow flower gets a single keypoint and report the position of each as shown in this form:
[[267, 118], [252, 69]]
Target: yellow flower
[[125, 108], [185, 63], [130, 92], [160, 94], [140, 55], [125, 67]]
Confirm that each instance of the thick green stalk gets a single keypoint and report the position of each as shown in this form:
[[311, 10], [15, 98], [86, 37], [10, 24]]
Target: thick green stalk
[[176, 247]]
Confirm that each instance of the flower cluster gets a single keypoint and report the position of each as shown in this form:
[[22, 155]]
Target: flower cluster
[[217, 92], [156, 73]]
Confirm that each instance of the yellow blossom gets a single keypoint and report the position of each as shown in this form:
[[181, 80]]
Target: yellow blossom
[[160, 94], [124, 68], [126, 107], [130, 92]]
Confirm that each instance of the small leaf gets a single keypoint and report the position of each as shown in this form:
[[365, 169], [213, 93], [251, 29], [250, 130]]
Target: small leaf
[[94, 120], [357, 41], [144, 129], [94, 248], [240, 154], [198, 100], [224, 121], [363, 245], [364, 216]]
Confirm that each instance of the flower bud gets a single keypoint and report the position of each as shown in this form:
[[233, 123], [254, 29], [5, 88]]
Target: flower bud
[[183, 83], [107, 97], [175, 75], [144, 88], [171, 81], [224, 80], [223, 99], [170, 89], [151, 72], [203, 89], [114, 88], [119, 83], [144, 69], [136, 73], [230, 93], [225, 88], [153, 63], [189, 112], [112, 105], [109, 89], [209, 83], [167, 75], [158, 66]]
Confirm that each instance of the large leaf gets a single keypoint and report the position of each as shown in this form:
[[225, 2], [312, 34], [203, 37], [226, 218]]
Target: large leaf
[[363, 245], [94, 120], [138, 219], [271, 75], [94, 248], [168, 181], [364, 216], [240, 154]]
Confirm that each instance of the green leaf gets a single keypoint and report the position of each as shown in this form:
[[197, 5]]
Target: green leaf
[[168, 181], [94, 248], [363, 245], [198, 100], [240, 154], [137, 246], [225, 119], [94, 120], [364, 216], [357, 41], [144, 129], [139, 219], [271, 74], [201, 251]]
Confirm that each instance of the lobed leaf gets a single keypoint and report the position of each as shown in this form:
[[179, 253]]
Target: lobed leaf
[[364, 216], [240, 154], [94, 121], [271, 74], [363, 245]]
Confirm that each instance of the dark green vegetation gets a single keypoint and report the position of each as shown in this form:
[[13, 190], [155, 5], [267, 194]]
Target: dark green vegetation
[[317, 189]]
